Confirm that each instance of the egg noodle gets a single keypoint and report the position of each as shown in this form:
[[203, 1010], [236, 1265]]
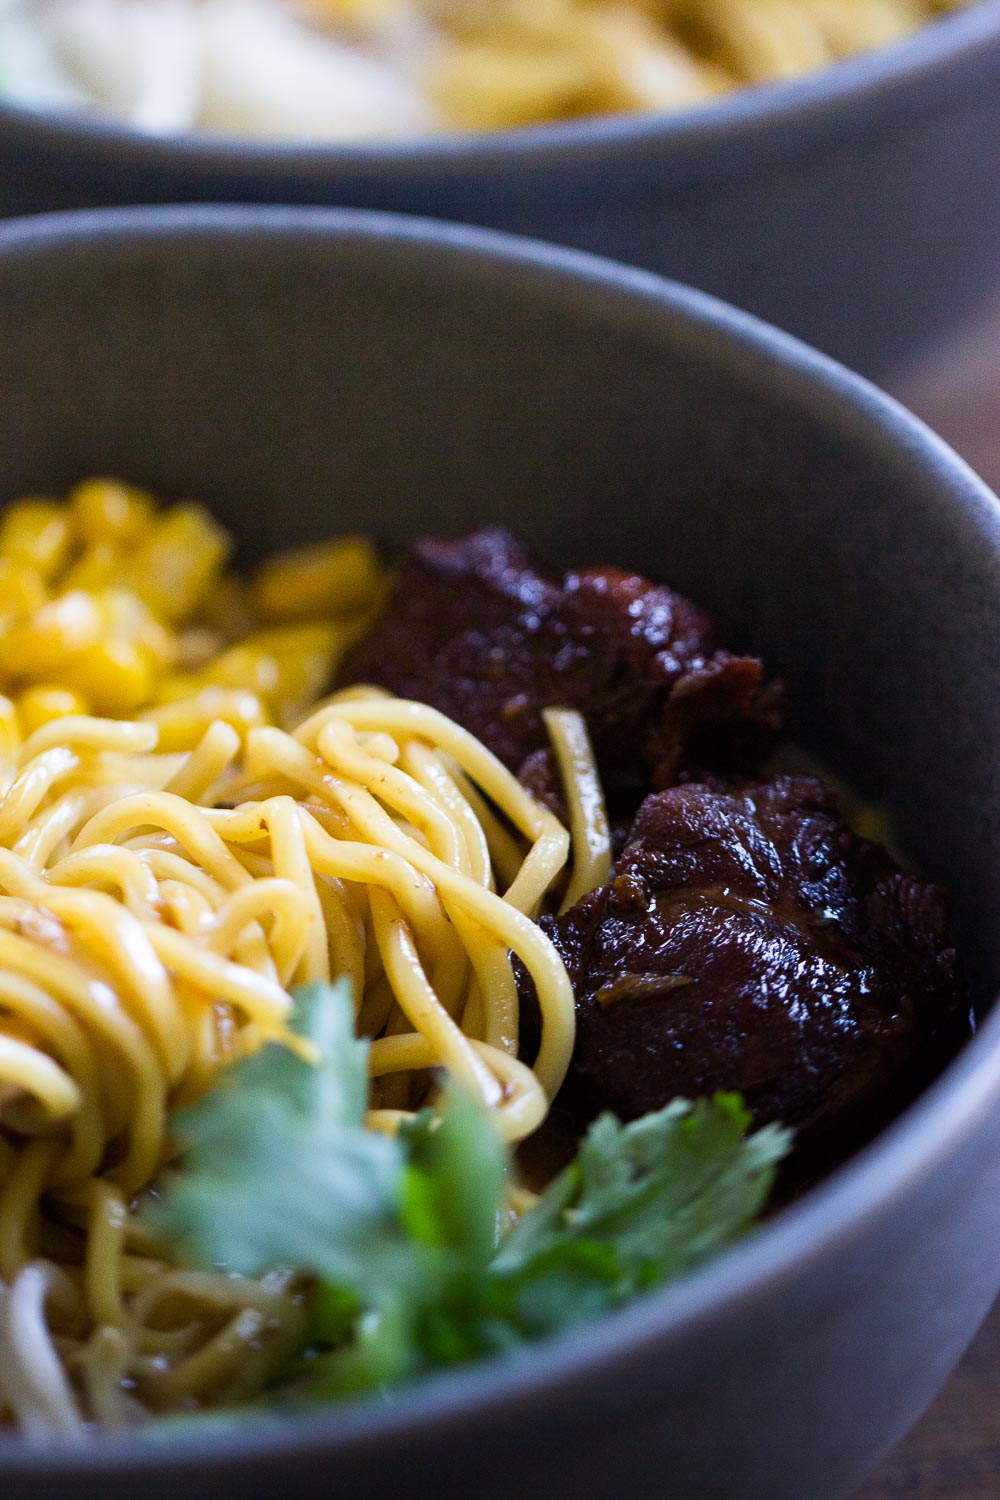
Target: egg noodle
[[156, 908], [357, 69], [523, 61]]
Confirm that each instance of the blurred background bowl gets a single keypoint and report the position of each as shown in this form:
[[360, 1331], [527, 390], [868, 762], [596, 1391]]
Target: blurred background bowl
[[305, 372], [858, 207]]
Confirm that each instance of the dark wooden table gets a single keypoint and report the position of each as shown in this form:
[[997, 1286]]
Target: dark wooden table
[[954, 1452], [956, 389]]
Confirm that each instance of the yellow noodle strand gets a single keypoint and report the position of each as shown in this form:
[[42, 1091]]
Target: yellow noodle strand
[[155, 911], [588, 819]]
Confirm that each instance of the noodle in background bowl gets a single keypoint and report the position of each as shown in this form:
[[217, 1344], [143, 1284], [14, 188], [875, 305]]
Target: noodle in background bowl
[[305, 372], [856, 207]]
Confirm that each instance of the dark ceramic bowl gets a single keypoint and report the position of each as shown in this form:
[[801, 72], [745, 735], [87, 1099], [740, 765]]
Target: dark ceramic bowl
[[308, 371], [859, 208]]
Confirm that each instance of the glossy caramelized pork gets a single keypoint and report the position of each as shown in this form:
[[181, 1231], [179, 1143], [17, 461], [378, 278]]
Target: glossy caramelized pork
[[748, 939], [474, 628]]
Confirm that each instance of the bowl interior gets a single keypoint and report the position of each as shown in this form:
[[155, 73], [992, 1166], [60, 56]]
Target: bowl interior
[[854, 205], [307, 372]]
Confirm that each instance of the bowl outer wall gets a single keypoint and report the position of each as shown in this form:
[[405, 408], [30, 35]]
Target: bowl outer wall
[[316, 371], [858, 207]]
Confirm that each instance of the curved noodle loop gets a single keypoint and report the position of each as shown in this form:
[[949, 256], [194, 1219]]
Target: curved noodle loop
[[155, 910]]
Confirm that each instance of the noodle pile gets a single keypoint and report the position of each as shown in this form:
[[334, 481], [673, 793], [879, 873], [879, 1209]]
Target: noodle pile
[[155, 909], [364, 69]]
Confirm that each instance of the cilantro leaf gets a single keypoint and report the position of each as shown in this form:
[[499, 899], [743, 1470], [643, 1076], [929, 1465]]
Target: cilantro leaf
[[450, 1191], [404, 1237], [640, 1204], [278, 1170], [454, 1180]]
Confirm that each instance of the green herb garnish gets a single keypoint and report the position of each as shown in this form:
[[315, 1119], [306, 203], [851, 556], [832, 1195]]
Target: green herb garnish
[[405, 1237]]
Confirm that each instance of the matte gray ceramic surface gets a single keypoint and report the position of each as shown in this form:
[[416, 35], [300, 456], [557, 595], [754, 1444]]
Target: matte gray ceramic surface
[[859, 208], [304, 372]]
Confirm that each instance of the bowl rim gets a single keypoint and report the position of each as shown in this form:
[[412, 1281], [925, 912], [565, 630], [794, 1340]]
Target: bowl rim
[[872, 81], [830, 1216]]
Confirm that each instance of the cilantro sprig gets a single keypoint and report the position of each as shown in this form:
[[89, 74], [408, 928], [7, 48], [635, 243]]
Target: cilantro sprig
[[405, 1237]]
